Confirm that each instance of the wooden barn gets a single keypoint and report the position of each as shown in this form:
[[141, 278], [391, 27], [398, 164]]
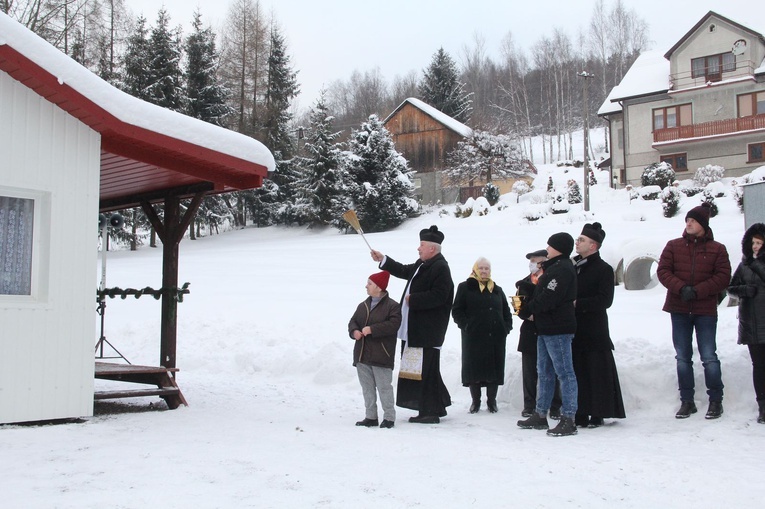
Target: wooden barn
[[425, 136], [73, 146]]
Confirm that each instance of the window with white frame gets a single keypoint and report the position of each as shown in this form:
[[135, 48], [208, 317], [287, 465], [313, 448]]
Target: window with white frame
[[17, 219]]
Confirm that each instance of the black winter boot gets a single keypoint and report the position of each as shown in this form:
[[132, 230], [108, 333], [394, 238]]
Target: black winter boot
[[491, 397], [475, 393], [565, 428], [536, 421], [761, 416]]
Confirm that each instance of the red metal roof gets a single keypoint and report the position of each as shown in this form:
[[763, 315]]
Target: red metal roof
[[136, 162]]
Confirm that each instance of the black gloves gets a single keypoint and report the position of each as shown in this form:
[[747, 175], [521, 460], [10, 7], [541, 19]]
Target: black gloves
[[687, 293], [525, 287]]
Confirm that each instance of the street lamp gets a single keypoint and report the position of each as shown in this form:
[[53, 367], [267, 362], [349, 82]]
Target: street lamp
[[585, 114]]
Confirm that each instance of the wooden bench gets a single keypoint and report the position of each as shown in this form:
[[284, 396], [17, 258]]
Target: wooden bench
[[161, 377]]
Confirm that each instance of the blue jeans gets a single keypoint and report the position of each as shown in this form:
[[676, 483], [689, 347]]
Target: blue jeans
[[706, 338], [554, 358]]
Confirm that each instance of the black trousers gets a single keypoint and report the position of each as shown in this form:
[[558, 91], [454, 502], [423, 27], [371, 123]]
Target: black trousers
[[757, 353]]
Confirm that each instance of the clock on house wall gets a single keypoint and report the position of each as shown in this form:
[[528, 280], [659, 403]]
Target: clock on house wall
[[739, 47]]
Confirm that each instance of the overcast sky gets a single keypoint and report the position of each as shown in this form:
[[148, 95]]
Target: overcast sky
[[328, 39]]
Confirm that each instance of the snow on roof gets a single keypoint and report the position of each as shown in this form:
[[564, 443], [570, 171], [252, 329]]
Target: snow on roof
[[125, 107], [451, 123], [649, 74]]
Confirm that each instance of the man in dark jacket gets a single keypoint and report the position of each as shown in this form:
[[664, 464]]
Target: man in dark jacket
[[597, 379], [425, 310], [527, 341], [552, 309], [695, 269], [373, 326]]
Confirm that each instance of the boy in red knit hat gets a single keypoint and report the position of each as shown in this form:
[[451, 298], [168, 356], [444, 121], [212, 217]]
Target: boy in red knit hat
[[373, 327]]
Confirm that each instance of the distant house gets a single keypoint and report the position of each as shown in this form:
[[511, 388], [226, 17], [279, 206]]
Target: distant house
[[425, 136], [73, 146], [702, 102]]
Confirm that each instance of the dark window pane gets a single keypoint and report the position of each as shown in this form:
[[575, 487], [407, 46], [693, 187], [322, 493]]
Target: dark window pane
[[755, 152]]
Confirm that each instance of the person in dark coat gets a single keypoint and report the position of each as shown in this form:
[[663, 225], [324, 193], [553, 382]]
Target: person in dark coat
[[373, 327], [425, 308], [552, 308], [527, 340], [597, 379], [483, 315], [695, 269], [748, 284]]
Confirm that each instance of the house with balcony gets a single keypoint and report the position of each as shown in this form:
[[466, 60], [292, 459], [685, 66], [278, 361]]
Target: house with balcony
[[702, 102]]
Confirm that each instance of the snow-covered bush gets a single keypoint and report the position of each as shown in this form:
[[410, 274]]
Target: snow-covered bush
[[716, 189], [593, 180], [691, 191], [466, 209], [491, 193], [670, 201], [559, 203], [574, 193], [650, 192], [550, 185], [521, 187], [658, 174], [708, 174], [738, 191], [535, 212], [481, 206], [709, 198], [632, 192]]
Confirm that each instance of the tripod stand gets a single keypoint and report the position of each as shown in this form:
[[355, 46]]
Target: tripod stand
[[101, 309]]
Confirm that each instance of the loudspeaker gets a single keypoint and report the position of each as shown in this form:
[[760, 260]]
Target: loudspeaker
[[101, 221], [116, 220]]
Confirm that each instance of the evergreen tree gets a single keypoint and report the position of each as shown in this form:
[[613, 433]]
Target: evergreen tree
[[574, 192], [281, 89], [135, 64], [205, 94], [381, 182], [441, 88], [165, 78], [550, 185], [321, 193]]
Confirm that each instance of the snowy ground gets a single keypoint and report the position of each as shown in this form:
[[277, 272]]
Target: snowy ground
[[266, 367]]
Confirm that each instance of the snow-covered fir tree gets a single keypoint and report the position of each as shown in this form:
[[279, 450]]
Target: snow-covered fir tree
[[550, 185], [574, 192], [670, 201], [321, 190], [205, 94], [134, 78], [441, 88], [165, 77], [380, 180], [282, 89], [483, 157], [491, 193], [658, 174]]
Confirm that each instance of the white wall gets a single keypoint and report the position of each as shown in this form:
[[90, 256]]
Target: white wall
[[47, 339]]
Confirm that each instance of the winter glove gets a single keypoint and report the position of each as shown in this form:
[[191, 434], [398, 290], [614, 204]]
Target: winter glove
[[523, 313], [687, 293], [749, 291], [525, 287]]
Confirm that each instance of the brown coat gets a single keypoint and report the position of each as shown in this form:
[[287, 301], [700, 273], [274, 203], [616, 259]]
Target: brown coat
[[378, 348], [700, 262]]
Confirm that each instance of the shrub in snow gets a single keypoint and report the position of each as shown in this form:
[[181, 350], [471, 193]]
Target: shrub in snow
[[691, 191], [560, 203], [738, 193], [716, 189], [593, 180], [658, 174], [521, 187], [481, 206], [708, 174], [550, 185], [650, 192], [574, 193], [465, 210], [709, 198], [632, 192], [501, 205], [534, 212], [491, 193], [670, 201]]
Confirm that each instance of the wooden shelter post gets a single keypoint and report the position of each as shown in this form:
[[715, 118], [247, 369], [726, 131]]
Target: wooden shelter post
[[170, 233]]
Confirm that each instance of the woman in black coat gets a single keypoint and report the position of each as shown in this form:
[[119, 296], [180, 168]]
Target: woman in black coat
[[748, 284], [483, 315]]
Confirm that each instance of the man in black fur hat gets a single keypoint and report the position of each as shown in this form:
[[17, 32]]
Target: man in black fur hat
[[425, 311]]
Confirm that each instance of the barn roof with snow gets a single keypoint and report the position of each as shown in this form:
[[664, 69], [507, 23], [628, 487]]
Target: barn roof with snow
[[441, 117]]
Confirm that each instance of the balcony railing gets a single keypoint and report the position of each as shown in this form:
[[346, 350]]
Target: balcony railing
[[729, 126], [683, 80]]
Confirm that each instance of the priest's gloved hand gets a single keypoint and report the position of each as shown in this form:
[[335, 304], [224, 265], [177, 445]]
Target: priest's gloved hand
[[687, 293]]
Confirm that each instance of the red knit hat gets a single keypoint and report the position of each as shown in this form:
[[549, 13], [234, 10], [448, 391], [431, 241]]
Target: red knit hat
[[381, 279]]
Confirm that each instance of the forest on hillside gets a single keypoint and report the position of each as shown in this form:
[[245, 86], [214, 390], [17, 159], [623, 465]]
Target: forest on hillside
[[239, 76]]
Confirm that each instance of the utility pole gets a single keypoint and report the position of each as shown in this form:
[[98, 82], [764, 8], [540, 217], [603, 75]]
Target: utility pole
[[585, 114]]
